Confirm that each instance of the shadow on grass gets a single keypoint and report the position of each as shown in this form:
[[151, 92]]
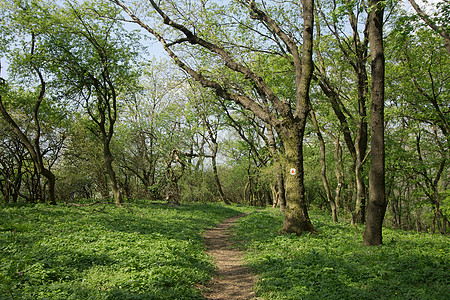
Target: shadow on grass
[[316, 276], [334, 264], [153, 252]]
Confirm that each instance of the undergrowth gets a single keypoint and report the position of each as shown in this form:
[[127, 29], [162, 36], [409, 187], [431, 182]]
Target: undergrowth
[[335, 265], [137, 252]]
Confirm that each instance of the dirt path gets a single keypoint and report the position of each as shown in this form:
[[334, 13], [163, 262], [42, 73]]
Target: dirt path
[[232, 279]]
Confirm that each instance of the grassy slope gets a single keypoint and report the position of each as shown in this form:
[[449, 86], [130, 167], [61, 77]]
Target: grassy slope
[[139, 252], [334, 264]]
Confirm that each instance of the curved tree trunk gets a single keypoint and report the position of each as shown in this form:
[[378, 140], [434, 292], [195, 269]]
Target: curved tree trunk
[[323, 172], [33, 148]]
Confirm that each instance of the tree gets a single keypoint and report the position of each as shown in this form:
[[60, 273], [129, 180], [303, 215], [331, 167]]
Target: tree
[[34, 146], [256, 151], [29, 31], [140, 132], [93, 64], [351, 114], [81, 170], [211, 123], [323, 171], [376, 206], [288, 119]]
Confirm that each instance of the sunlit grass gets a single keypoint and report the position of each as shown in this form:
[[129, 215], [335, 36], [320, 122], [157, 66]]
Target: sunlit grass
[[334, 264], [157, 252], [138, 252]]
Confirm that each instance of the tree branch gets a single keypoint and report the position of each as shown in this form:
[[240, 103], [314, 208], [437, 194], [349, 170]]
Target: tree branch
[[441, 31]]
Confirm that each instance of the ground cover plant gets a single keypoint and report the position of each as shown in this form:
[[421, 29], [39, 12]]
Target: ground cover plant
[[139, 251], [335, 265]]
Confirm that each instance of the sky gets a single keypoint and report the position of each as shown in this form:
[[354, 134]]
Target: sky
[[427, 6]]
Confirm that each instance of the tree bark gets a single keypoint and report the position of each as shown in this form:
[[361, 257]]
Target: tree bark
[[296, 218], [376, 206], [323, 171], [117, 194]]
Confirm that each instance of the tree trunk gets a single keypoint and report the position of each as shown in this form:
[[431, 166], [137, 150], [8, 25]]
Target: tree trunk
[[296, 218], [281, 188], [338, 172], [112, 175], [216, 174], [246, 187], [281, 193], [361, 134], [34, 153], [6, 191], [323, 172], [360, 210], [51, 179], [376, 206]]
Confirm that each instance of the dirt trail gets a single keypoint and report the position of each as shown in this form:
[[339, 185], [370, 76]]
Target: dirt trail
[[232, 279]]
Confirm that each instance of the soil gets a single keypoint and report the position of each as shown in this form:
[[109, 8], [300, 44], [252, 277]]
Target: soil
[[232, 280]]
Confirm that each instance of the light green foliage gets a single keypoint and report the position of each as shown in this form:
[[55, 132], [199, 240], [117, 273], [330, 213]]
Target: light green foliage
[[334, 264], [137, 252]]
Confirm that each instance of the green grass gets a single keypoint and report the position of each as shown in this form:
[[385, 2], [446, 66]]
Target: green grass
[[138, 252], [334, 264], [157, 252]]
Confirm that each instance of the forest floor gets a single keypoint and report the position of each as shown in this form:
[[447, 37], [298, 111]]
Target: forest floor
[[155, 251], [232, 280]]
